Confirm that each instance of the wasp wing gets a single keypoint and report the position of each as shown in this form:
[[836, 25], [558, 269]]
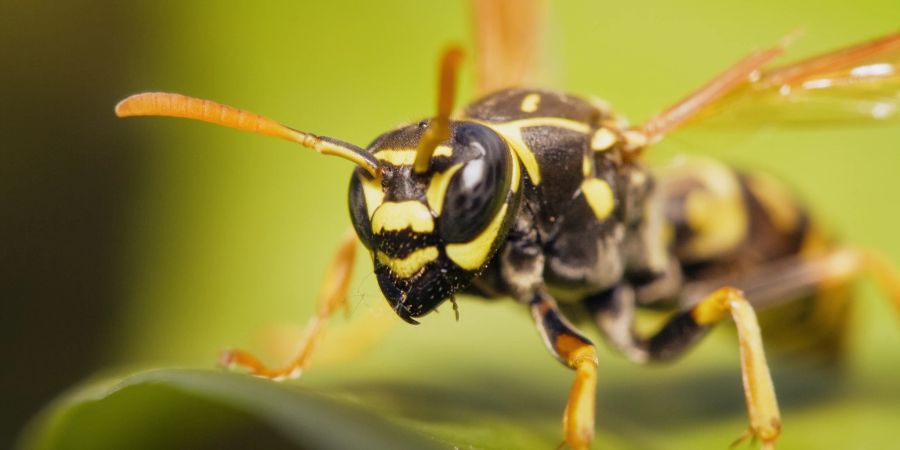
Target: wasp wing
[[507, 39], [859, 84]]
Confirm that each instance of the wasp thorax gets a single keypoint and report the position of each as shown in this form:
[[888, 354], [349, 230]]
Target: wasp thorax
[[431, 232]]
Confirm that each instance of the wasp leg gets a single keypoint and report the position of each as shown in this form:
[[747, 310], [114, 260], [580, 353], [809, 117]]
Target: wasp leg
[[614, 313], [332, 296], [793, 277], [759, 392], [774, 284], [885, 274], [522, 269], [578, 353]]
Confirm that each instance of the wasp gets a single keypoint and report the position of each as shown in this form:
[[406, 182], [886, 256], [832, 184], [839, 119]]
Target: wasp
[[544, 197]]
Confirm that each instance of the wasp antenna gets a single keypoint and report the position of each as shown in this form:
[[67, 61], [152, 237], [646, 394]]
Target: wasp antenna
[[166, 104], [439, 128]]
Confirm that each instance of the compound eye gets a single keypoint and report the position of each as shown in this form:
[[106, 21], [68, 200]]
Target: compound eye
[[358, 201], [479, 188]]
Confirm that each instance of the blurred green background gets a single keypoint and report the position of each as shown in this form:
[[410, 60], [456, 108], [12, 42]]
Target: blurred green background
[[156, 243]]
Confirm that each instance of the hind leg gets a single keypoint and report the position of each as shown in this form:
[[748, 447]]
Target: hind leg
[[775, 284], [791, 278]]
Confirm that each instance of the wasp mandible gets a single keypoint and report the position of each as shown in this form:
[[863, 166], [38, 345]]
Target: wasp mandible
[[543, 197]]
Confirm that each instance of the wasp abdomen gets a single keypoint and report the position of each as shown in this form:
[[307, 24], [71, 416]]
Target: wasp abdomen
[[729, 224], [722, 219]]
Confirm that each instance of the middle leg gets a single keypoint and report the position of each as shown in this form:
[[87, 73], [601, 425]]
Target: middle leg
[[614, 312]]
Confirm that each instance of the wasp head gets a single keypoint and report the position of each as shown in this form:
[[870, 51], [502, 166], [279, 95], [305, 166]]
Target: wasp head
[[431, 231]]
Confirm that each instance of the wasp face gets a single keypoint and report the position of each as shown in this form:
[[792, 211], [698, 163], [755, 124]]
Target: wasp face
[[430, 233]]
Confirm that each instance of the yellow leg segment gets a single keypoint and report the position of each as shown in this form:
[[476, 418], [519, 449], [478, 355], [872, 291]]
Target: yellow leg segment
[[332, 295], [849, 263], [885, 274], [578, 353], [578, 418], [759, 392]]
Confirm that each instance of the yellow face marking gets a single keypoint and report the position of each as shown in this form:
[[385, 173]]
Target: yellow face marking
[[634, 139], [443, 150], [396, 216], [512, 132], [602, 140], [437, 188], [473, 254], [415, 261], [530, 103], [516, 173], [599, 196], [407, 156], [401, 157], [373, 194]]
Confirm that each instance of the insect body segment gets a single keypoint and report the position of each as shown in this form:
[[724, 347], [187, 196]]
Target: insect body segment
[[432, 232], [541, 196]]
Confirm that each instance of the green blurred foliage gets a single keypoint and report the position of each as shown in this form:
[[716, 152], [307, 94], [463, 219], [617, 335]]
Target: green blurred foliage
[[210, 237]]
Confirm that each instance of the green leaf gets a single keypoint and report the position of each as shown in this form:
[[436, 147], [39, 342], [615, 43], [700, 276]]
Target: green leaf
[[501, 404], [211, 409]]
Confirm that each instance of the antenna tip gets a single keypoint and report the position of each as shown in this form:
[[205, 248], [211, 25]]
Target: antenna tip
[[123, 108]]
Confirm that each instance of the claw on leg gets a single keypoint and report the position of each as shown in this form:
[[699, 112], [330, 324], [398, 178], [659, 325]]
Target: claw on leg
[[759, 391], [332, 295]]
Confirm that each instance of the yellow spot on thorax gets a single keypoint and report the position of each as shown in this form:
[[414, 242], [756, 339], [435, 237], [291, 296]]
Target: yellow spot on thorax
[[634, 139], [530, 103], [396, 216], [512, 132], [415, 261], [599, 196], [602, 140], [475, 253]]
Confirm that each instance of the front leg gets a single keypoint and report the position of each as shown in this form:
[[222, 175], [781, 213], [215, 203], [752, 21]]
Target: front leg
[[578, 353], [522, 263], [332, 296]]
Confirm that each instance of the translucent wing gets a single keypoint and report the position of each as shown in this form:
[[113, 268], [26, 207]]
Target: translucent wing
[[507, 37], [859, 84]]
